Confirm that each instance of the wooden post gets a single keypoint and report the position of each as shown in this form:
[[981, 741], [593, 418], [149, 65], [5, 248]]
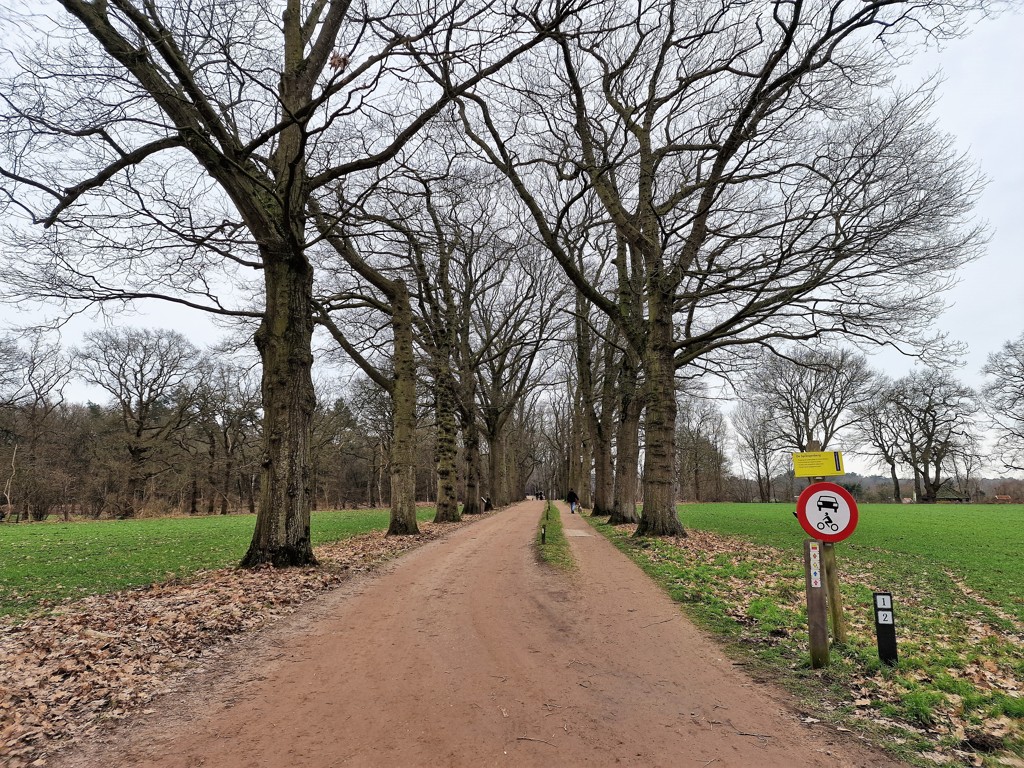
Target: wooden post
[[835, 597], [831, 573], [817, 619]]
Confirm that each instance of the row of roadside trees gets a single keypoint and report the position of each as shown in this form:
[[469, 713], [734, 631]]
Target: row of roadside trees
[[699, 182]]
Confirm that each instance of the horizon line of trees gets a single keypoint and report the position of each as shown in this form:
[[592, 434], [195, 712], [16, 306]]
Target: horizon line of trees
[[179, 432]]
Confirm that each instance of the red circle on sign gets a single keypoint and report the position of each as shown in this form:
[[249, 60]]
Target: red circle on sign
[[822, 529]]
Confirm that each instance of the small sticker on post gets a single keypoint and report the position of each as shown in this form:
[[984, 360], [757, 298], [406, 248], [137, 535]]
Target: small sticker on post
[[815, 564]]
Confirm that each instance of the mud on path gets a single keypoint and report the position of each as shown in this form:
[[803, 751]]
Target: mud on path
[[468, 652]]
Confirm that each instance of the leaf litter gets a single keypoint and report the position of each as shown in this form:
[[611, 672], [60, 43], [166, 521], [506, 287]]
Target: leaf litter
[[78, 666], [962, 667]]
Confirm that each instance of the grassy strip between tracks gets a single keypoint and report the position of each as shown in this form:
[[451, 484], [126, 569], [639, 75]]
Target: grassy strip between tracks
[[956, 696], [43, 563], [552, 546]]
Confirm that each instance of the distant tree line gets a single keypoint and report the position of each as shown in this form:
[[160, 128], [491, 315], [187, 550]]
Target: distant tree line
[[178, 429]]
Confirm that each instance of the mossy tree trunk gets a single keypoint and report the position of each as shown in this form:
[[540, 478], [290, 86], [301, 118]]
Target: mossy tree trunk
[[659, 516], [284, 340], [403, 442], [447, 451]]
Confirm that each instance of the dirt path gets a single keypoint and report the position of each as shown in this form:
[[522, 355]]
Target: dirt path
[[467, 652]]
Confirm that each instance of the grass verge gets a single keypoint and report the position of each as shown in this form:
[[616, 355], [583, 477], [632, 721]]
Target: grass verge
[[552, 546], [954, 699], [44, 563]]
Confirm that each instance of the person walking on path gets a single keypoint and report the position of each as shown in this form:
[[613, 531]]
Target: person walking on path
[[573, 500]]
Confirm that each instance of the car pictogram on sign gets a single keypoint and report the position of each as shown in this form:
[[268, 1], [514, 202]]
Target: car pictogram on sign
[[828, 502]]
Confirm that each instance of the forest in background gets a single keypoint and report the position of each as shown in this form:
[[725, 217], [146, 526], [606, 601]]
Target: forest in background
[[178, 432]]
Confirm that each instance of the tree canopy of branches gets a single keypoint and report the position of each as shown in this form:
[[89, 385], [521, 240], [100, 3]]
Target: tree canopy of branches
[[760, 178], [711, 178], [757, 446], [809, 394], [212, 143], [151, 377], [924, 422], [1004, 400]]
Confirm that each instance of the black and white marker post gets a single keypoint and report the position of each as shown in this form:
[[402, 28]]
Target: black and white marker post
[[885, 628]]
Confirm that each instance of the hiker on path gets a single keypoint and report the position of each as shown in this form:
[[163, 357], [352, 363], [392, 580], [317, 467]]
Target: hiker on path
[[573, 500]]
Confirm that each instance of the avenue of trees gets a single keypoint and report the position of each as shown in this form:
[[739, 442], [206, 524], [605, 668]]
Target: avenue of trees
[[542, 232]]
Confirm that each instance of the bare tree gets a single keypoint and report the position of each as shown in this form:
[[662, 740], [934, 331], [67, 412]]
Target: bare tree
[[32, 383], [204, 136], [151, 378], [1004, 400], [935, 413], [12, 368], [513, 323], [227, 413], [809, 394], [597, 358], [763, 183], [757, 446], [965, 464], [880, 425], [700, 445]]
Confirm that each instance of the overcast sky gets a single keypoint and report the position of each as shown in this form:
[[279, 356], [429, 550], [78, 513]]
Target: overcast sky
[[981, 102]]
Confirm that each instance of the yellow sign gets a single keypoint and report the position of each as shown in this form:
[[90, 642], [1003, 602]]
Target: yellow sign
[[818, 464]]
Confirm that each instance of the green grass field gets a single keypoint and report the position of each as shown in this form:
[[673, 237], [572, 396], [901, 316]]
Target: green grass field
[[956, 575], [56, 561], [982, 544]]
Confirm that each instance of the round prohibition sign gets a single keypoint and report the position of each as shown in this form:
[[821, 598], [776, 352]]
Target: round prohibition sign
[[827, 512]]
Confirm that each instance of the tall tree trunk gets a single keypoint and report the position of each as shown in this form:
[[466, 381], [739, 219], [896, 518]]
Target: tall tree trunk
[[897, 494], [659, 516], [586, 461], [229, 469], [604, 477], [627, 442], [471, 441], [284, 337], [447, 450], [284, 341], [211, 478], [496, 475], [403, 443], [602, 426]]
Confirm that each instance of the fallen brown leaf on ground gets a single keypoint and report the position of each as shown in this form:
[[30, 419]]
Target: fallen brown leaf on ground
[[65, 673]]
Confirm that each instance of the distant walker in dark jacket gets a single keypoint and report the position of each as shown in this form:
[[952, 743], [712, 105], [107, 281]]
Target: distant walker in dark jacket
[[573, 500]]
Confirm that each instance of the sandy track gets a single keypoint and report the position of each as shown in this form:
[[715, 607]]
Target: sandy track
[[467, 652]]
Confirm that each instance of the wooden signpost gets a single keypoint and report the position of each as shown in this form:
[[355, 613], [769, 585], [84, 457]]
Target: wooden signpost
[[817, 620], [828, 514]]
